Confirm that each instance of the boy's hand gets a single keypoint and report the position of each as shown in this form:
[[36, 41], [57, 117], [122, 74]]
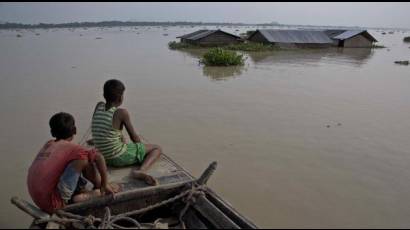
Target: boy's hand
[[90, 142], [110, 189]]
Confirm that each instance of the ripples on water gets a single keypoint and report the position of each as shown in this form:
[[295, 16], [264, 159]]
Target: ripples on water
[[307, 138]]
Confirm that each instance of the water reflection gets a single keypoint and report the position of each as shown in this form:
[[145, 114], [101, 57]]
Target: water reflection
[[350, 56], [218, 73], [193, 53]]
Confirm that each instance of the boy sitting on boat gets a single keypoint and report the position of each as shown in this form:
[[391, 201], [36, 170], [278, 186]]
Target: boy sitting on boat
[[107, 124], [64, 172]]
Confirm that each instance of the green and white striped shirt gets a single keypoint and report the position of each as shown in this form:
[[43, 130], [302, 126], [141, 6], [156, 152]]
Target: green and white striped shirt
[[106, 139]]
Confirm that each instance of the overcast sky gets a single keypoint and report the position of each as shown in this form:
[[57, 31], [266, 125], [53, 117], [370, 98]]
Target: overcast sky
[[319, 13]]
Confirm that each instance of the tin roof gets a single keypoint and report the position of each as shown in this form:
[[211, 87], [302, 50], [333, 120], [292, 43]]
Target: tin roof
[[192, 34], [296, 36], [346, 34], [203, 33], [333, 33]]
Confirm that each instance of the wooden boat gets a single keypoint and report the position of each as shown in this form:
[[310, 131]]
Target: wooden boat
[[179, 201]]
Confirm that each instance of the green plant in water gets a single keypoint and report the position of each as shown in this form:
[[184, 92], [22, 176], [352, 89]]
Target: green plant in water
[[179, 45], [378, 46], [222, 57], [406, 39]]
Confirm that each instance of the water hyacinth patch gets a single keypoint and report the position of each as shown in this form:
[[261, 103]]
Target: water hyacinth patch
[[222, 57]]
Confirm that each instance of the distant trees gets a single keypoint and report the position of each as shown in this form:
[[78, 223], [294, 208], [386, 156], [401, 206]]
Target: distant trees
[[8, 25]]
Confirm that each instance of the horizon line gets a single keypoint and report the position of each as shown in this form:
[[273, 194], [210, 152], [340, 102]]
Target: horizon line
[[190, 22]]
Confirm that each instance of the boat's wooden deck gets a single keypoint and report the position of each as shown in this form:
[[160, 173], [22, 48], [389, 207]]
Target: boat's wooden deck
[[164, 170]]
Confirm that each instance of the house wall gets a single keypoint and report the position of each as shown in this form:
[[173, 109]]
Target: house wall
[[218, 39], [313, 45], [358, 42]]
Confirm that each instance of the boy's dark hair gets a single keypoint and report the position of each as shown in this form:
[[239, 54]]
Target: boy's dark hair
[[62, 125], [113, 90]]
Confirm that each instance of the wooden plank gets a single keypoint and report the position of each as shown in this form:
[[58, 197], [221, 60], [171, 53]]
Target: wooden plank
[[125, 196], [228, 210], [28, 208], [215, 216], [192, 221], [53, 225]]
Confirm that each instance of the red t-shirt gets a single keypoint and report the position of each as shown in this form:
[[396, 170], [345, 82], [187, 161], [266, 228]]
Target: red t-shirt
[[48, 166]]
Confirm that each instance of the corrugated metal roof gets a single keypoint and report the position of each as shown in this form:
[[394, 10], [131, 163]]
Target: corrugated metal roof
[[346, 34], [333, 33], [192, 34], [296, 36], [203, 33]]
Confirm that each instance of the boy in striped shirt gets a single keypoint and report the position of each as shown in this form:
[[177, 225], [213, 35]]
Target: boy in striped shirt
[[107, 124]]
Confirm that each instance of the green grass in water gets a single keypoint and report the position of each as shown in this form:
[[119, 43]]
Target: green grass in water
[[179, 45], [378, 46], [222, 57]]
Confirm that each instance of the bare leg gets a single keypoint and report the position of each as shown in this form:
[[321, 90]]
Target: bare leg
[[86, 196], [91, 173], [153, 152]]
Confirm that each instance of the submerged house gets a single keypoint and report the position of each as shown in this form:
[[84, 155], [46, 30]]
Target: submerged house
[[292, 38], [314, 38], [351, 38], [210, 37]]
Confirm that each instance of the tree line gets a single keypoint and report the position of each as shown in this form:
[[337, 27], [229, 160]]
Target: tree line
[[8, 25]]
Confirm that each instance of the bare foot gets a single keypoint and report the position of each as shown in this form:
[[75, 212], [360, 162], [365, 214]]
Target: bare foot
[[116, 188], [145, 177]]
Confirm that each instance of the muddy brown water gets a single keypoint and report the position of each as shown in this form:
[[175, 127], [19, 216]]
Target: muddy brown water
[[308, 138]]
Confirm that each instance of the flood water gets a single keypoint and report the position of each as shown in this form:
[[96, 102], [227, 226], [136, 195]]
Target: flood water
[[306, 138]]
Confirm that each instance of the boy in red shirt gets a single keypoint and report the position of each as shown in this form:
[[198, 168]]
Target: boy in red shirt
[[62, 171]]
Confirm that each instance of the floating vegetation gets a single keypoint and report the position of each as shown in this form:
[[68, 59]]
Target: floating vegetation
[[18, 35], [165, 34], [374, 46], [402, 62], [98, 38], [180, 45], [37, 34], [222, 57], [406, 39]]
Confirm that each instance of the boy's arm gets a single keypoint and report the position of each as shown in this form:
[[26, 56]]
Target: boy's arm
[[102, 169], [125, 119]]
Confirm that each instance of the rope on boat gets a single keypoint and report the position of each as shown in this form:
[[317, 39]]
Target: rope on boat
[[110, 222], [191, 194]]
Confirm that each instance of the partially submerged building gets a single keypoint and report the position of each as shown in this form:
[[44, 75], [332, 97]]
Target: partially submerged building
[[292, 38], [351, 38], [210, 38], [314, 38]]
